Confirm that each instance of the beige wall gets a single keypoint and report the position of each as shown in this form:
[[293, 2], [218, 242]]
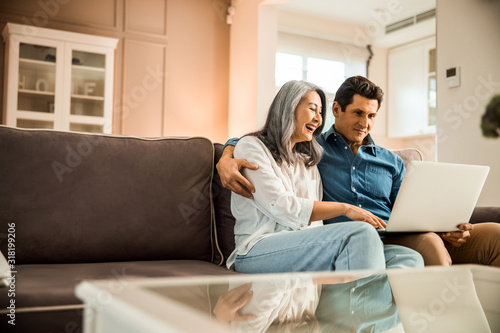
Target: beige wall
[[198, 69], [182, 44], [253, 37], [468, 35], [244, 70]]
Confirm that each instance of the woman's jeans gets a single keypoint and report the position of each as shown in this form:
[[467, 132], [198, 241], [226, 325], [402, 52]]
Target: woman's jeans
[[333, 247]]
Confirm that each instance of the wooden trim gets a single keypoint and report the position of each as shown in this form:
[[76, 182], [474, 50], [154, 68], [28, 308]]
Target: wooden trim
[[65, 36], [25, 17]]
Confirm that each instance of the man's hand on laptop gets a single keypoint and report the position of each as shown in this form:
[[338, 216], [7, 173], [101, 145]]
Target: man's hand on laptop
[[458, 238], [230, 175]]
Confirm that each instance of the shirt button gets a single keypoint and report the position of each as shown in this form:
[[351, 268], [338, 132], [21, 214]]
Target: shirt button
[[352, 312], [354, 168], [353, 290], [345, 147], [354, 189], [359, 205]]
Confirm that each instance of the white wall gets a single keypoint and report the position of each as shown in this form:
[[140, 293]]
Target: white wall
[[351, 36], [378, 74], [468, 35]]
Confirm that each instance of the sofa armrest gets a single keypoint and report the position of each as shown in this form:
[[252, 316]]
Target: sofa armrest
[[485, 214]]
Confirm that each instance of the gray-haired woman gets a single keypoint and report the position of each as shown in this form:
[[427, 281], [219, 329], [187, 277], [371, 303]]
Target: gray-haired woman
[[280, 229]]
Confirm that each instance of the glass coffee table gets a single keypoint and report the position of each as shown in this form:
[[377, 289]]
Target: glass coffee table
[[462, 298]]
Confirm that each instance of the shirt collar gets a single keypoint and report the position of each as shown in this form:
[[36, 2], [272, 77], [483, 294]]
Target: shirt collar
[[370, 147]]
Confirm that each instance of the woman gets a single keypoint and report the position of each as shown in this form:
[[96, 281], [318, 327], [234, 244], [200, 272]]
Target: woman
[[273, 230]]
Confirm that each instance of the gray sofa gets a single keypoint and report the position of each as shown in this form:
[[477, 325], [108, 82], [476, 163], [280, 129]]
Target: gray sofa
[[106, 207]]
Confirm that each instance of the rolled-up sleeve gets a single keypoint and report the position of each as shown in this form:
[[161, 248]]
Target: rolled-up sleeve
[[273, 196]]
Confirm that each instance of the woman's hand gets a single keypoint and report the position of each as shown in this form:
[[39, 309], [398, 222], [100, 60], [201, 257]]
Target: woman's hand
[[360, 214], [229, 304], [323, 210]]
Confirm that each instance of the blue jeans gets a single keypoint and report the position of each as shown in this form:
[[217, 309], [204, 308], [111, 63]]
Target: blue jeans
[[333, 247]]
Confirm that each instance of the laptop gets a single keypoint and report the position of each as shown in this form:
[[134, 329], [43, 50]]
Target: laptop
[[436, 197]]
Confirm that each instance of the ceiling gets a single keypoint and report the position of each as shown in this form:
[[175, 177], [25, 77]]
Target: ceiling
[[360, 11]]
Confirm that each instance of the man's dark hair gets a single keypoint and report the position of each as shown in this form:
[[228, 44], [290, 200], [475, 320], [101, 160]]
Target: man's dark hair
[[357, 85]]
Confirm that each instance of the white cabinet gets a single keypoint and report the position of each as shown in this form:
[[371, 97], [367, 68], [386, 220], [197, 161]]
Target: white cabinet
[[58, 80], [411, 93]]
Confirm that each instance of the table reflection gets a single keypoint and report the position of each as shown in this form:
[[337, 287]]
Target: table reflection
[[340, 304], [426, 301], [440, 299]]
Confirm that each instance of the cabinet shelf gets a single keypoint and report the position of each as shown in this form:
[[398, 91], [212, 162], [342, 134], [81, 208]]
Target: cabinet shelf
[[36, 64], [34, 115], [89, 120], [88, 68], [93, 98], [36, 92]]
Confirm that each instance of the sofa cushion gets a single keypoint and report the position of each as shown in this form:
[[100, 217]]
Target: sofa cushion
[[45, 299], [485, 214], [92, 198], [45, 285], [224, 219]]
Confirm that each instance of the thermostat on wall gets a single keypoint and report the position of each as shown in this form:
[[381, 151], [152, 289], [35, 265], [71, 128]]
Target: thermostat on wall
[[453, 77]]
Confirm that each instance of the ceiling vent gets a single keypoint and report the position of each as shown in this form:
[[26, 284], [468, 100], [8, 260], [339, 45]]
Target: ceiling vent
[[410, 21]]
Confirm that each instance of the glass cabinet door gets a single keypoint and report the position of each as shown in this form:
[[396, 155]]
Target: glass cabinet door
[[36, 88], [87, 91], [58, 80]]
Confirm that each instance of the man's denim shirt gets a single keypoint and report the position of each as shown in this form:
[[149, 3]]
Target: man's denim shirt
[[371, 180]]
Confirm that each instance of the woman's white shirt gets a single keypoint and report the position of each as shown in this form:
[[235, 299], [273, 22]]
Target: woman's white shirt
[[283, 199], [279, 302]]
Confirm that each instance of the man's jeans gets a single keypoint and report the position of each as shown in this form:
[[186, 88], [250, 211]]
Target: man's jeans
[[333, 247]]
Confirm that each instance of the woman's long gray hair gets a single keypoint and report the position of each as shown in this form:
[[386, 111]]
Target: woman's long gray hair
[[280, 125]]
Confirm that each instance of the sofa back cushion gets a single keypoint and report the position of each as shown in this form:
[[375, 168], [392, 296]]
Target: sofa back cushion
[[408, 154], [224, 219], [94, 198]]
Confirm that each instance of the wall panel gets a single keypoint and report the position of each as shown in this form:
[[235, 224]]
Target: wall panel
[[150, 19], [41, 13], [142, 99]]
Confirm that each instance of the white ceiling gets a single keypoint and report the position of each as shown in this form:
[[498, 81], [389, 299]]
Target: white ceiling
[[360, 11]]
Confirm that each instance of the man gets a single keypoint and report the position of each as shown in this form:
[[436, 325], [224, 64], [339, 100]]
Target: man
[[356, 171]]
